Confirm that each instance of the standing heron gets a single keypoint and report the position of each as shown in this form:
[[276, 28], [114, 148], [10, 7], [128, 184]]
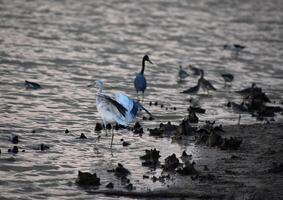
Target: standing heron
[[121, 110], [205, 84], [140, 81]]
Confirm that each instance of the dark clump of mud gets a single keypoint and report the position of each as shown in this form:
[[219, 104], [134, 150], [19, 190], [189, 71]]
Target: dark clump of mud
[[209, 134], [188, 169], [137, 129], [120, 171], [87, 179], [151, 158], [171, 163]]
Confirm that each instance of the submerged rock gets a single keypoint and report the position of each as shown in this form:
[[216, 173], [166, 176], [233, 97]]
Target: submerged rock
[[87, 179], [67, 131], [15, 150], [171, 163], [110, 185], [43, 147], [151, 158]]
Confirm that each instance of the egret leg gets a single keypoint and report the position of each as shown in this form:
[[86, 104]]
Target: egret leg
[[104, 123], [142, 96], [239, 119], [112, 139], [137, 95]]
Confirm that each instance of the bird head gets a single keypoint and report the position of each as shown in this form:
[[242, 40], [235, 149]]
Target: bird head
[[98, 84], [146, 58]]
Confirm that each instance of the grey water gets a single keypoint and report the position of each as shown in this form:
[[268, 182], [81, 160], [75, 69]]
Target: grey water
[[66, 45]]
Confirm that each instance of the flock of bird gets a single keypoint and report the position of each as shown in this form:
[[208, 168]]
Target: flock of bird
[[123, 110]]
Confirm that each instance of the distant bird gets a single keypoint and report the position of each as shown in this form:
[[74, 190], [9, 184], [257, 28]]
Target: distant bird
[[195, 70], [140, 81], [205, 84], [192, 90], [249, 91], [238, 108], [228, 78], [32, 85], [182, 73], [235, 48], [121, 110]]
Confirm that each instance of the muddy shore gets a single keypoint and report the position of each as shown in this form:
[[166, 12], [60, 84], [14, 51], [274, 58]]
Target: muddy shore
[[251, 172]]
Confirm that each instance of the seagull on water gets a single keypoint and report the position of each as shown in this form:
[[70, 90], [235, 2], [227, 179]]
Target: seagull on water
[[121, 110], [140, 81]]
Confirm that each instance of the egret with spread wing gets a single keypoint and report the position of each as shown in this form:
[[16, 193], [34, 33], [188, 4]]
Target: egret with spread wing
[[121, 110]]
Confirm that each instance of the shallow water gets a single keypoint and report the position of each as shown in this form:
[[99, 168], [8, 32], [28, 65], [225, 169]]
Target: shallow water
[[66, 45]]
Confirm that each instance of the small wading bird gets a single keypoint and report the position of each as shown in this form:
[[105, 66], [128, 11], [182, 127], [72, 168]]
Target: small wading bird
[[234, 48], [228, 78], [140, 81], [182, 73], [238, 108], [205, 84], [32, 85], [121, 110], [192, 90]]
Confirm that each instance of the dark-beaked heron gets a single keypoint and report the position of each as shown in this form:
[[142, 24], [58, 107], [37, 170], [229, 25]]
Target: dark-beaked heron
[[121, 110], [140, 81]]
